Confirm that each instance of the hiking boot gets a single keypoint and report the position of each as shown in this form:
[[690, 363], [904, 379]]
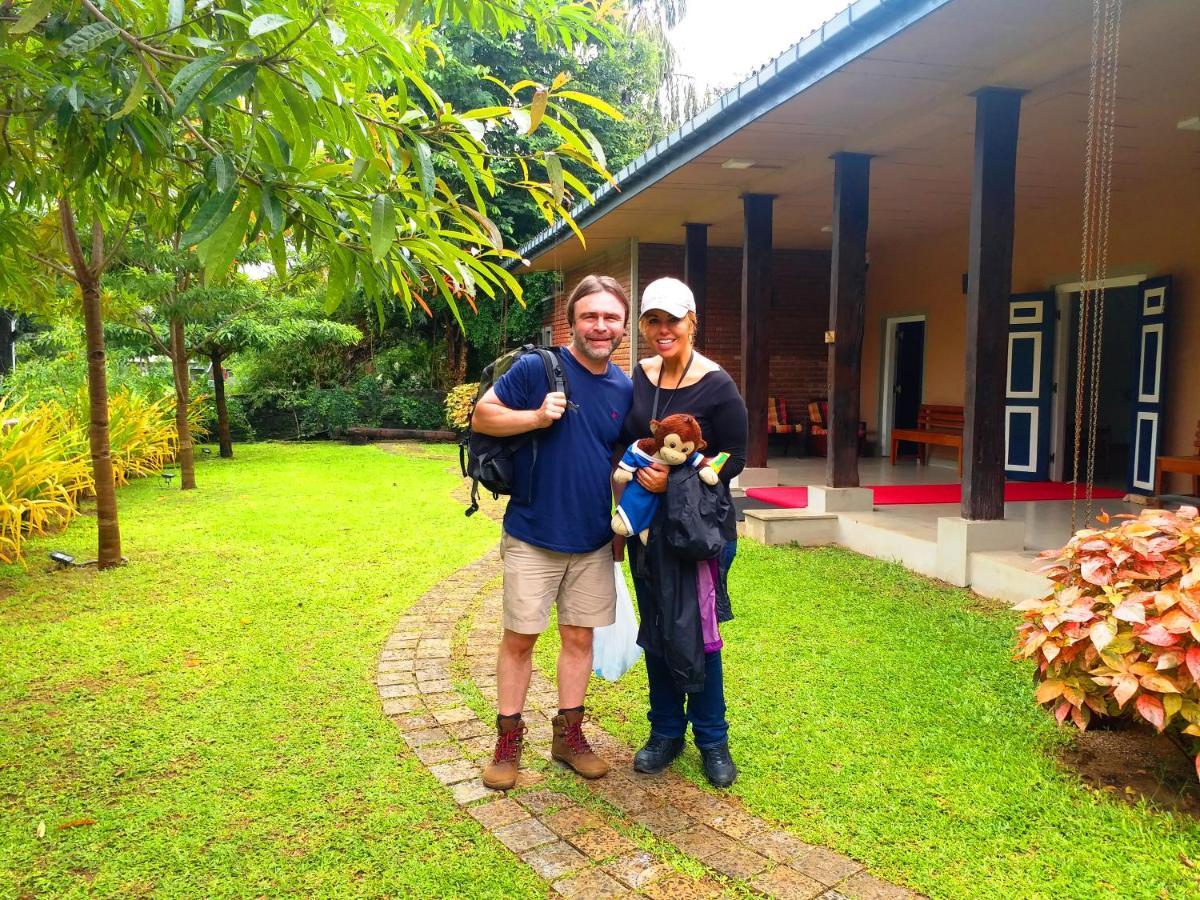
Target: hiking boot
[[501, 773], [657, 753], [718, 765], [571, 747]]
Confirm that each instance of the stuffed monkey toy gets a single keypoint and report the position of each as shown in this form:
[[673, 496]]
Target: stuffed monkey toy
[[677, 441]]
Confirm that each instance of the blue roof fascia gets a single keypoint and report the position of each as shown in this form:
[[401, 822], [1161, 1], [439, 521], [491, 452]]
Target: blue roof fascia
[[856, 30]]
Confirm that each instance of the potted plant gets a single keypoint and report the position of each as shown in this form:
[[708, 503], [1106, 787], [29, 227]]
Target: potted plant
[[1119, 632]]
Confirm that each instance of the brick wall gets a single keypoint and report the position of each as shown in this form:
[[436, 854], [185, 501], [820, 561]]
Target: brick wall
[[614, 262], [799, 315]]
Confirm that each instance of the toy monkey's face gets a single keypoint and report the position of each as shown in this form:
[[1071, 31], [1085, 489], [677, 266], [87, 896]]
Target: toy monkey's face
[[675, 449]]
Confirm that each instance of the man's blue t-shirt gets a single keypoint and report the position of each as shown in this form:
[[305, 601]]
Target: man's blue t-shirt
[[565, 502]]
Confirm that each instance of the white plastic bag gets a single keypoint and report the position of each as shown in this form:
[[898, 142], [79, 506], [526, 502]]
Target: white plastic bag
[[614, 647]]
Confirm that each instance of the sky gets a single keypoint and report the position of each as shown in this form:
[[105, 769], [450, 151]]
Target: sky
[[719, 42]]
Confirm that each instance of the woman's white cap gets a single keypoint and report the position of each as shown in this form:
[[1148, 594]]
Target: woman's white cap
[[670, 295]]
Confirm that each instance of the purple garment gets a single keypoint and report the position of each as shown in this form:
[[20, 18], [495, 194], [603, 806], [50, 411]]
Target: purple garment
[[707, 573]]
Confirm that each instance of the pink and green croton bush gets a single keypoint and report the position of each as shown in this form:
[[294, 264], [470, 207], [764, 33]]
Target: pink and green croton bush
[[1119, 634]]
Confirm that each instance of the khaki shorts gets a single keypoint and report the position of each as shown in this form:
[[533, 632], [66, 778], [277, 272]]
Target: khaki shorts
[[535, 579]]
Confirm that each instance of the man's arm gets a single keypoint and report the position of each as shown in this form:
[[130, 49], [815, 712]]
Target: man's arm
[[492, 417]]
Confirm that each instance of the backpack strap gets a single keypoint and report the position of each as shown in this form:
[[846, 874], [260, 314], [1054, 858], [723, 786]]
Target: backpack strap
[[556, 375]]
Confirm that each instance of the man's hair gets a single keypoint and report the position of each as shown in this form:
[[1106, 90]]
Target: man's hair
[[595, 284]]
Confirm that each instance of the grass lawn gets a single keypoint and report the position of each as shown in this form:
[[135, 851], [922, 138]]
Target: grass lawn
[[878, 713], [203, 722]]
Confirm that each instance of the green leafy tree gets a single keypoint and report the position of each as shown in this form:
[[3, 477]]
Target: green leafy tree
[[233, 120]]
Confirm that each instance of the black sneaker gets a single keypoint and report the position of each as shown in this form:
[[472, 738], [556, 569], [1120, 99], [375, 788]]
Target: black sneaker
[[718, 765], [657, 754]]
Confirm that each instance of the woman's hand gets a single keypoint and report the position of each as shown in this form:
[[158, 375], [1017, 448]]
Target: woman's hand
[[653, 478]]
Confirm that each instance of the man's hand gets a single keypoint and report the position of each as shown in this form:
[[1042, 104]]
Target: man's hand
[[653, 478], [618, 547], [552, 409]]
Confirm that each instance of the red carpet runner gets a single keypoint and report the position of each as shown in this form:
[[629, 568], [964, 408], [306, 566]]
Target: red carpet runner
[[912, 494]]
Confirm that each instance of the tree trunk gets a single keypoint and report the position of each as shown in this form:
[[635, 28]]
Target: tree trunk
[[456, 352], [179, 365], [108, 553], [223, 434]]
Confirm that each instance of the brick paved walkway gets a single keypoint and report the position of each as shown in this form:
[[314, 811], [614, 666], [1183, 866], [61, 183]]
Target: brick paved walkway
[[620, 836]]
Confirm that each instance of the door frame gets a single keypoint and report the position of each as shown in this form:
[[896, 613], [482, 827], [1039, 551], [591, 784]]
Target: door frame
[[886, 404], [1062, 350]]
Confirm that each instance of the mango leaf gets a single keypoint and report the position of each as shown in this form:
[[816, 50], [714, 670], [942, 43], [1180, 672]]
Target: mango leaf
[[223, 246], [272, 210], [423, 163], [337, 34], [89, 37], [191, 79], [33, 14], [209, 218], [175, 14], [383, 226], [235, 83], [1151, 709], [267, 23], [593, 102], [554, 172], [223, 172], [537, 109], [278, 254], [134, 96]]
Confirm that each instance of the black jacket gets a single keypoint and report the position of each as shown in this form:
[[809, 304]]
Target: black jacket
[[686, 528]]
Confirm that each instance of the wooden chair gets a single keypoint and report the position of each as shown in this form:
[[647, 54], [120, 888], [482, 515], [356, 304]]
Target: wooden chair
[[818, 429], [940, 426], [777, 422], [1184, 465]]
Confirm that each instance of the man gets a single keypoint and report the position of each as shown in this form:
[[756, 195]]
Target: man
[[557, 540]]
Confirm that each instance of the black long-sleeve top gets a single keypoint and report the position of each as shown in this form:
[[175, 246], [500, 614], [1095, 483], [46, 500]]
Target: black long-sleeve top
[[715, 402]]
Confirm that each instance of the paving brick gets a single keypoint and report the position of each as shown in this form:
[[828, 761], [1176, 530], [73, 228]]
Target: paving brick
[[426, 736], [471, 728], [662, 820], [778, 845], [453, 716], [414, 722], [432, 754], [540, 802], [681, 887], [601, 843], [390, 691], [438, 686], [551, 861], [498, 813], [591, 884], [388, 678], [737, 862], [572, 820], [737, 825], [401, 705], [826, 866], [524, 834], [701, 842], [784, 883], [454, 772], [469, 791], [866, 887], [638, 869]]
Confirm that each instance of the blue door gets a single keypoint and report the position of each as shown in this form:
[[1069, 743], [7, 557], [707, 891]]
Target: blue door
[[1149, 384], [1028, 386]]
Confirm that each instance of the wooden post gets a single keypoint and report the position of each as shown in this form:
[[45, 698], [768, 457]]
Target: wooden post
[[695, 273], [756, 307], [8, 341], [847, 310], [989, 283]]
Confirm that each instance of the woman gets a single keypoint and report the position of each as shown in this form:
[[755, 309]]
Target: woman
[[677, 379]]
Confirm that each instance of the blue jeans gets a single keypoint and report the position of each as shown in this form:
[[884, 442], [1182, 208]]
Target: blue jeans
[[671, 709]]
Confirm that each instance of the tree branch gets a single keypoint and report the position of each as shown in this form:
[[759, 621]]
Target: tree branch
[[132, 39], [51, 264], [66, 216]]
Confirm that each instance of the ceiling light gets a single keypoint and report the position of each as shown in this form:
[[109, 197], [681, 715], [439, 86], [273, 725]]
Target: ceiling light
[[737, 164], [1192, 124]]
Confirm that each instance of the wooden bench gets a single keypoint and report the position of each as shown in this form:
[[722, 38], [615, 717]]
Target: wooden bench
[[1184, 465], [940, 426]]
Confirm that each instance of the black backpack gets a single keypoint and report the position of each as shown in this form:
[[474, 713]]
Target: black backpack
[[488, 460]]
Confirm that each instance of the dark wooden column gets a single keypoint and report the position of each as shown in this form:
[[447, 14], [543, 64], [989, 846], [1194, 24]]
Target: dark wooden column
[[756, 307], [989, 283], [695, 273], [847, 310], [7, 341]]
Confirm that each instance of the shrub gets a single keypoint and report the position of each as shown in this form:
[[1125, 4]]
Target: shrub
[[1121, 624], [458, 405]]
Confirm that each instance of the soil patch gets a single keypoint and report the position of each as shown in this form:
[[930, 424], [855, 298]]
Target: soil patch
[[1136, 763]]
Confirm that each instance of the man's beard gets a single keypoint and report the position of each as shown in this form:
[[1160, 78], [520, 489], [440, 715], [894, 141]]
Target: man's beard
[[596, 353]]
